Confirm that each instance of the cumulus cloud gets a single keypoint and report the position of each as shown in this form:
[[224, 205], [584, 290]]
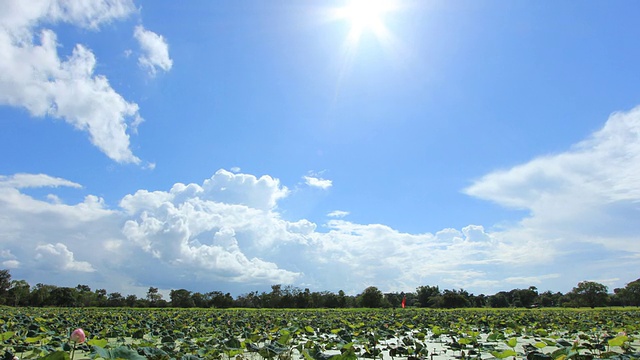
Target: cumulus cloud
[[376, 254], [59, 257], [155, 50], [317, 182], [228, 230], [581, 224], [34, 77], [198, 226]]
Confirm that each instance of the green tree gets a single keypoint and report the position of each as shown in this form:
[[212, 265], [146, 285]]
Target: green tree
[[342, 299], [630, 294], [371, 297], [199, 300], [18, 294], [115, 299], [524, 297], [131, 300], [64, 296], [101, 297], [153, 296], [181, 298], [455, 299], [86, 297], [590, 293], [549, 299], [5, 284], [499, 300], [303, 299], [41, 295], [427, 295]]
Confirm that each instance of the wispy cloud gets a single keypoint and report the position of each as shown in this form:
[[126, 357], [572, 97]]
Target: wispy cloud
[[589, 193], [318, 182], [155, 50], [19, 181], [338, 214]]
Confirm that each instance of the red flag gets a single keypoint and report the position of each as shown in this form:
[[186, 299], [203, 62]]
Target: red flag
[[404, 301]]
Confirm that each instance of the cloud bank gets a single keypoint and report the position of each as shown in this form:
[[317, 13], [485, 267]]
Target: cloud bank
[[228, 230]]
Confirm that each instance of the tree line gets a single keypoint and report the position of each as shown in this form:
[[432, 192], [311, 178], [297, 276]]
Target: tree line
[[585, 294]]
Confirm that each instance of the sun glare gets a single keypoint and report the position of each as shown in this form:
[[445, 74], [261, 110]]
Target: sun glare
[[366, 16]]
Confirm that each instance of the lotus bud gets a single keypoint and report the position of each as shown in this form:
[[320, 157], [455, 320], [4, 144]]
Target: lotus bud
[[78, 336]]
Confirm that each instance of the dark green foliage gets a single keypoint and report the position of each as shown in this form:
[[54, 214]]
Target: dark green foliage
[[371, 297], [586, 294], [589, 293]]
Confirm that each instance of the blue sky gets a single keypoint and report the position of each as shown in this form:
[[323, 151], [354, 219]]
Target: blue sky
[[232, 145]]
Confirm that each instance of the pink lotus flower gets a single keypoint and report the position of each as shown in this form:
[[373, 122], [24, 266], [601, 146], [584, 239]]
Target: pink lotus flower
[[78, 336]]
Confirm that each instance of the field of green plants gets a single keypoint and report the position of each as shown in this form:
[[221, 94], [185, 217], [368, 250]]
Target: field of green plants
[[412, 334]]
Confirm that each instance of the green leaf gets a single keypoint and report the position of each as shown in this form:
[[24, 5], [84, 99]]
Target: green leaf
[[284, 338], [495, 336], [534, 355], [152, 353], [31, 340], [57, 355], [541, 332], [512, 342], [98, 342], [189, 357], [618, 340], [233, 344], [437, 331], [121, 352], [540, 344], [503, 354], [309, 329]]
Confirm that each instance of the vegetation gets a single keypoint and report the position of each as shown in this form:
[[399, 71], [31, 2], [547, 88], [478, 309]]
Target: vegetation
[[585, 294], [339, 334]]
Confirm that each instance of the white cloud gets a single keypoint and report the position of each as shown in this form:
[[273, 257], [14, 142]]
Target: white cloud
[[60, 258], [11, 264], [19, 181], [318, 182], [199, 227], [228, 230], [90, 14], [380, 255], [338, 214], [155, 50], [260, 193], [589, 193], [34, 77], [583, 206], [530, 280]]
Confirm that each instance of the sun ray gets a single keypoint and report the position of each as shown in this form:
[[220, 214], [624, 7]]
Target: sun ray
[[365, 16]]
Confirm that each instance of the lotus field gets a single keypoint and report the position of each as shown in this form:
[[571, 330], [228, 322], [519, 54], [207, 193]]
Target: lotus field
[[411, 334]]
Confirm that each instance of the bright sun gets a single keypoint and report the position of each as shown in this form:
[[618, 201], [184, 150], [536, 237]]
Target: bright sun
[[366, 16]]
